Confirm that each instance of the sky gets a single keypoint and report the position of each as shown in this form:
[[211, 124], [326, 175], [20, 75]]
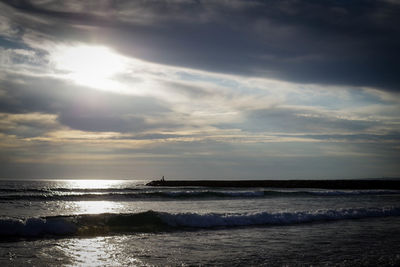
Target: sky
[[278, 89]]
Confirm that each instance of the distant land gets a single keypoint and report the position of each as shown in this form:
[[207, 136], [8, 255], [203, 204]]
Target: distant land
[[392, 183]]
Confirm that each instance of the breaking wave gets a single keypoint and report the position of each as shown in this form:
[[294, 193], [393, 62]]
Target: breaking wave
[[152, 221], [134, 194]]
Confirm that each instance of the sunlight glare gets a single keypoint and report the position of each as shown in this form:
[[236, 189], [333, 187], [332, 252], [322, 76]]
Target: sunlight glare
[[93, 184], [93, 66], [97, 207]]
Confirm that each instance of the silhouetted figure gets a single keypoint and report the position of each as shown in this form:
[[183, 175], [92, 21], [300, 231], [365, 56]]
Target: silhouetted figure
[[163, 179]]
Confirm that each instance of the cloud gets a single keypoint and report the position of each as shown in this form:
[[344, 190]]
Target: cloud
[[297, 120], [208, 89], [323, 42], [391, 137], [96, 123], [27, 125], [82, 108]]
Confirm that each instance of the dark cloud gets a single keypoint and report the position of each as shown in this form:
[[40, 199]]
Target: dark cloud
[[82, 108], [27, 126], [328, 42], [155, 136], [98, 123], [192, 91], [298, 121], [389, 137]]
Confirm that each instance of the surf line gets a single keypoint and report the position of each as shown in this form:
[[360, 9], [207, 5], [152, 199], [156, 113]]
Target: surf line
[[322, 184]]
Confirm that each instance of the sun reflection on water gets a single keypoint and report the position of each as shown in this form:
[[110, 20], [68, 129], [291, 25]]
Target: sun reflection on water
[[94, 184], [96, 207], [100, 251]]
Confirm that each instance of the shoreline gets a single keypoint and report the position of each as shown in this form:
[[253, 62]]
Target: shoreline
[[321, 184]]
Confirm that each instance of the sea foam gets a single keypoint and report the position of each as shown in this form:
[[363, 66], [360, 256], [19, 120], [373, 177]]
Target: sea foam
[[132, 195], [152, 221]]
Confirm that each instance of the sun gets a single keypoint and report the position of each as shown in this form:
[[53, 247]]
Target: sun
[[93, 66]]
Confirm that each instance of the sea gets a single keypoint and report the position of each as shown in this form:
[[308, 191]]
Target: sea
[[126, 223]]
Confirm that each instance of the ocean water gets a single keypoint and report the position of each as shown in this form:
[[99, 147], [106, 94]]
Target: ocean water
[[125, 223]]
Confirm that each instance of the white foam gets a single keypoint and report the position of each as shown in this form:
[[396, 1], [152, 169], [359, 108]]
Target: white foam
[[215, 193], [68, 225], [266, 218]]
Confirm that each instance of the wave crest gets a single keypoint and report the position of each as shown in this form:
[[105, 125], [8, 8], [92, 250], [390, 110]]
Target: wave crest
[[152, 221], [130, 195]]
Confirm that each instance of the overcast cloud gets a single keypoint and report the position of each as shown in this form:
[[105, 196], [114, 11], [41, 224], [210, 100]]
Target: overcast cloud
[[199, 89], [325, 42]]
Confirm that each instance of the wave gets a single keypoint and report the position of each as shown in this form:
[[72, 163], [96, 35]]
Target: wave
[[348, 192], [152, 221], [118, 196], [135, 194], [63, 189]]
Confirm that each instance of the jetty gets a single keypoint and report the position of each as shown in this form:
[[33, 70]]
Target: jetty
[[392, 184]]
